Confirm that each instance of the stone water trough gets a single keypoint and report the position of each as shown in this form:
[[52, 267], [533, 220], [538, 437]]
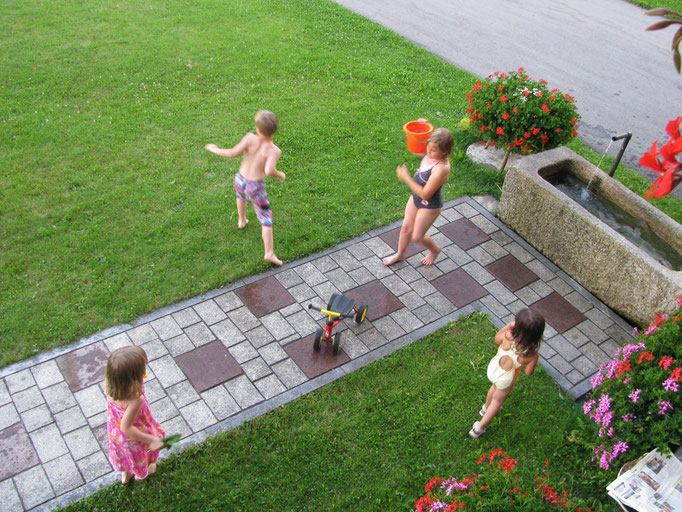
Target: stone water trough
[[612, 268]]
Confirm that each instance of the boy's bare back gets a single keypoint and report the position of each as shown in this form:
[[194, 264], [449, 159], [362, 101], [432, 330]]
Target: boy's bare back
[[260, 157]]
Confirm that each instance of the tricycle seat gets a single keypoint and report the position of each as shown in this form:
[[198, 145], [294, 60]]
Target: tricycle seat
[[340, 304]]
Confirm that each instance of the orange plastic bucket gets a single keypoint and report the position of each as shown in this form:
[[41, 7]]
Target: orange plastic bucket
[[416, 133]]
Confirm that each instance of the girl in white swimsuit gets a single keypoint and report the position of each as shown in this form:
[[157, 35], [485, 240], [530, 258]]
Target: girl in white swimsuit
[[519, 344]]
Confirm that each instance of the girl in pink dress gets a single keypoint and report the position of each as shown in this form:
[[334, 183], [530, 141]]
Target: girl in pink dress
[[135, 437]]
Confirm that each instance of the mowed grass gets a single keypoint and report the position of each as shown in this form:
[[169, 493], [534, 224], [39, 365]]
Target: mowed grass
[[373, 439], [109, 205]]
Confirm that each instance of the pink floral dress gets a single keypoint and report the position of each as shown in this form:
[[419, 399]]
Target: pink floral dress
[[127, 454]]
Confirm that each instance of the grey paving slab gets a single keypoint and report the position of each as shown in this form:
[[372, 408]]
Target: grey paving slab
[[48, 442], [8, 416], [92, 400], [47, 374], [20, 381], [94, 466], [70, 419], [33, 487], [220, 402], [63, 474], [5, 397], [9, 497], [81, 442], [34, 418], [67, 430]]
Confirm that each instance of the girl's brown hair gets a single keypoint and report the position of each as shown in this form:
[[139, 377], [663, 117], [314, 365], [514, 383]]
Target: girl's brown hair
[[124, 373], [527, 332], [442, 137]]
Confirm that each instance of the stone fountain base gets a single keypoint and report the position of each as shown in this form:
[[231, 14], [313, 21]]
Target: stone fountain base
[[620, 274]]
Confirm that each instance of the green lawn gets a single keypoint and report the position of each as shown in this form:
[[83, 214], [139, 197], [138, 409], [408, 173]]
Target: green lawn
[[371, 440], [109, 205]]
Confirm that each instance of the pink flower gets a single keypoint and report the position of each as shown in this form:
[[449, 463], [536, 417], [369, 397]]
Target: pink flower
[[670, 385], [634, 396], [663, 406]]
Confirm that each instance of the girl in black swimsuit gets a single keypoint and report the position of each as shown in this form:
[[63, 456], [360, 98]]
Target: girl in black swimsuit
[[426, 202]]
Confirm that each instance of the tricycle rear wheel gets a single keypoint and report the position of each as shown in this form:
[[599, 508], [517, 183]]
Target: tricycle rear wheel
[[361, 314]]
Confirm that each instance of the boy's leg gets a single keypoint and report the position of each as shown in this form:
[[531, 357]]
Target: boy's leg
[[268, 243], [240, 184], [241, 211], [405, 233]]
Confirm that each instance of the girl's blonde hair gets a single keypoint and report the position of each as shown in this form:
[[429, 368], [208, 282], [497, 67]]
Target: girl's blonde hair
[[527, 332], [442, 137], [124, 373]]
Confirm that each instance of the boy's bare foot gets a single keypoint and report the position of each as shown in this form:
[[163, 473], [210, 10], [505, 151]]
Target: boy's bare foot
[[125, 477], [241, 224], [431, 257], [392, 259], [273, 259], [151, 469]]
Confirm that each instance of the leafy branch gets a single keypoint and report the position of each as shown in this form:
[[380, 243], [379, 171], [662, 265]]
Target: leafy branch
[[670, 18]]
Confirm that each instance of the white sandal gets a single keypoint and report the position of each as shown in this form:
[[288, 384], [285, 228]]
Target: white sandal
[[481, 413], [474, 433]]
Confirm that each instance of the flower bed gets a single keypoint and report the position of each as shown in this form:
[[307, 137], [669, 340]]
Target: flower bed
[[636, 399], [499, 484]]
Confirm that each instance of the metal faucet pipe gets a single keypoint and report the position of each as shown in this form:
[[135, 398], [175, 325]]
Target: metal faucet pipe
[[626, 136]]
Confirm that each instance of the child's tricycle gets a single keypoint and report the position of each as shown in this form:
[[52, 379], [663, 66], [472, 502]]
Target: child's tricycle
[[338, 308]]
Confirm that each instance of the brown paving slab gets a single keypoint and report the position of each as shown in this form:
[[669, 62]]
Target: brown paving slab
[[379, 299], [464, 233], [208, 366], [315, 363], [265, 296], [16, 451], [558, 312], [102, 437], [459, 287], [85, 366], [392, 237], [511, 272]]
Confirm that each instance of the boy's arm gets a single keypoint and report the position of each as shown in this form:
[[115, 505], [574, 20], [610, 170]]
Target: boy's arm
[[271, 165], [231, 152]]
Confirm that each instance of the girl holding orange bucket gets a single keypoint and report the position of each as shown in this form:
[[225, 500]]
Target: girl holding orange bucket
[[426, 202]]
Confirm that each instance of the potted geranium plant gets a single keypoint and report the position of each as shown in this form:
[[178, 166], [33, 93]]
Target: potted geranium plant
[[637, 397], [521, 115]]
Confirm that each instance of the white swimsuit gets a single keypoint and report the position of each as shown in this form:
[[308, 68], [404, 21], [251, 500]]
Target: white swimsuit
[[499, 376]]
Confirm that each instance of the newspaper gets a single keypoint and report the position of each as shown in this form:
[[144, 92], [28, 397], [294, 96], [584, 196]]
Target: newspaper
[[653, 484]]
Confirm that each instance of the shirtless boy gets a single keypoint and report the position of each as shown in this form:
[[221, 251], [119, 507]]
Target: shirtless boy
[[260, 160]]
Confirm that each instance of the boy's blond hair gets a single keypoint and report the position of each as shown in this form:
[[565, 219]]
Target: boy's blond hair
[[442, 137], [124, 373], [266, 122]]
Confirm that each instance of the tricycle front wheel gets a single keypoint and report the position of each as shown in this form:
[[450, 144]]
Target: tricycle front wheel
[[337, 342], [319, 334], [361, 314]]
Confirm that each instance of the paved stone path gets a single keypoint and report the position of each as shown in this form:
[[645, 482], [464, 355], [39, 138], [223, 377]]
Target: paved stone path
[[220, 359]]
